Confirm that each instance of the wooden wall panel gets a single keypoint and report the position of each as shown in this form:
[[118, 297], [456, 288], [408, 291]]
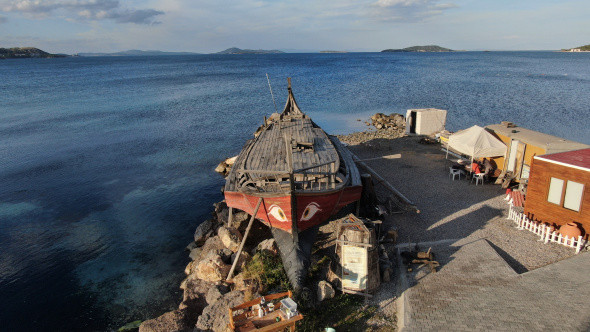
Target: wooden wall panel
[[536, 206]]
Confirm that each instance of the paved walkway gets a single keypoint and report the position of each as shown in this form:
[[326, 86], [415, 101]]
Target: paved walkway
[[477, 290]]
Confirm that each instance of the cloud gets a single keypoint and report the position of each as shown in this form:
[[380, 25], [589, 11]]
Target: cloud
[[409, 10], [83, 9], [3, 19], [140, 16]]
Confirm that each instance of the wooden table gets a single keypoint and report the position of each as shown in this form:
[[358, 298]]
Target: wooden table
[[248, 320]]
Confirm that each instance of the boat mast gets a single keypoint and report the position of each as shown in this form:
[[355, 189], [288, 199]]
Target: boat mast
[[271, 94]]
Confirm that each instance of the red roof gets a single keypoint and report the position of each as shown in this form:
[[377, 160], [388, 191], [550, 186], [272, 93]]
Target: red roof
[[579, 158]]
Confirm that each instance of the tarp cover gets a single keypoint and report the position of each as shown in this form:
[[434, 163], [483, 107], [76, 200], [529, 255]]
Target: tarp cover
[[477, 143]]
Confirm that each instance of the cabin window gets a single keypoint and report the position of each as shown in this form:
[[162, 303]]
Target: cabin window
[[555, 190], [573, 195]]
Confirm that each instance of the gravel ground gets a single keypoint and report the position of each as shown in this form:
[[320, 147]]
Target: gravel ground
[[450, 210], [452, 213]]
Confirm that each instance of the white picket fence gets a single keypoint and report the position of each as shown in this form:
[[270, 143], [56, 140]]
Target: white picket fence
[[544, 231]]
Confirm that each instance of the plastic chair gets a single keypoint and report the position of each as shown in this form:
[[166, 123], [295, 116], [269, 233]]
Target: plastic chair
[[478, 178], [454, 172]]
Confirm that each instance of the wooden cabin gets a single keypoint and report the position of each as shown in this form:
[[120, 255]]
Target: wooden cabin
[[559, 189], [524, 144]]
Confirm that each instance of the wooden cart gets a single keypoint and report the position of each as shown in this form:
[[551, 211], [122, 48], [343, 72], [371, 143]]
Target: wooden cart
[[248, 320]]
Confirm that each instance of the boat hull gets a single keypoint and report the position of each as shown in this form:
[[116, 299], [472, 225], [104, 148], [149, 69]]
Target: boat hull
[[312, 208]]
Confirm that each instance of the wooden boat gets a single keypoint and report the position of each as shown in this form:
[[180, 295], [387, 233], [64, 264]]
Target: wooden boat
[[298, 176]]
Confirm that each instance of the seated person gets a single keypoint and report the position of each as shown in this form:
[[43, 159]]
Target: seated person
[[475, 169], [490, 167]]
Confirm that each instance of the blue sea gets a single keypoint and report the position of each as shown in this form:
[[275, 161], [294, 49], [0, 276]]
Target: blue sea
[[106, 163]]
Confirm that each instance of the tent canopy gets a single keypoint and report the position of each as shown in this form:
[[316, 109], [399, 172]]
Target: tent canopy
[[477, 143]]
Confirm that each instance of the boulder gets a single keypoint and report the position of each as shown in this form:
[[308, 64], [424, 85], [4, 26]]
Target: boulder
[[221, 212], [193, 298], [226, 255], [213, 294], [325, 291], [189, 269], [240, 220], [215, 317], [195, 254], [246, 284], [212, 244], [269, 246], [203, 231], [170, 321], [211, 268], [230, 237], [191, 246]]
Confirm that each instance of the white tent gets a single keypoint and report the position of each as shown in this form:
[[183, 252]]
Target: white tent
[[477, 143]]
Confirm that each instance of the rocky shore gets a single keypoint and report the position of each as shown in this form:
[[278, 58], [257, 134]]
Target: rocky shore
[[206, 294]]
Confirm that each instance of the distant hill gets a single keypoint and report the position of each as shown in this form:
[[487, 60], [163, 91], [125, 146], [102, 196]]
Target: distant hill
[[136, 53], [585, 48], [26, 52], [427, 48], [235, 50]]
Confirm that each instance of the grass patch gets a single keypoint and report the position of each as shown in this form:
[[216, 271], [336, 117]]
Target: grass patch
[[316, 267], [268, 271]]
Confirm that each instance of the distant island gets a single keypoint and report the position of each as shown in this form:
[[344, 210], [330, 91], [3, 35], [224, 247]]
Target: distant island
[[333, 52], [136, 53], [26, 52], [427, 48], [585, 48], [235, 50]]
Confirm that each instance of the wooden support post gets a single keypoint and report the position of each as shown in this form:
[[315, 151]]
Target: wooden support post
[[230, 216], [233, 266]]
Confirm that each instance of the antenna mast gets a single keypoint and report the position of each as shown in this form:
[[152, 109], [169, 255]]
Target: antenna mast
[[271, 94]]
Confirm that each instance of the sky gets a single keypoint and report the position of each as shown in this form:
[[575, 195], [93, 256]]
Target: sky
[[205, 26]]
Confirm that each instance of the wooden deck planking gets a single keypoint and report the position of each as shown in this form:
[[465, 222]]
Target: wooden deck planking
[[270, 153]]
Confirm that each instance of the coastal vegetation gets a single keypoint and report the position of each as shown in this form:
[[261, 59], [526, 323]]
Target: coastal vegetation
[[427, 48], [235, 50], [585, 48], [268, 271], [26, 52]]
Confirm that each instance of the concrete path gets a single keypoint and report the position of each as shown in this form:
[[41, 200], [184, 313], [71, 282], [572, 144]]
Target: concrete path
[[477, 290]]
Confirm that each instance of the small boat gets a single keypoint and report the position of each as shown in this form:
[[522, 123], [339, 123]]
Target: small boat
[[293, 176]]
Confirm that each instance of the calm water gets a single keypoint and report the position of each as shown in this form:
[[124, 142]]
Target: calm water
[[106, 163]]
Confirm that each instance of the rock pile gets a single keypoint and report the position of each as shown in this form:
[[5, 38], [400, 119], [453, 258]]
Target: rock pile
[[225, 166], [206, 295], [393, 121], [387, 127]]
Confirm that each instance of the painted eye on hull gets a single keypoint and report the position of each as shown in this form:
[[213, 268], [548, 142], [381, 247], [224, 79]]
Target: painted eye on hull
[[277, 213], [310, 210]]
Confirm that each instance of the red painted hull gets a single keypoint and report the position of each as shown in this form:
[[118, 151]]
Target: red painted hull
[[312, 209]]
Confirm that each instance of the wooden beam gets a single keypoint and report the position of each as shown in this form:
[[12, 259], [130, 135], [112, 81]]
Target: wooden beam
[[233, 266]]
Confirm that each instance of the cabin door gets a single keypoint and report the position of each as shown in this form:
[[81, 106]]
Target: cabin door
[[516, 157], [413, 122]]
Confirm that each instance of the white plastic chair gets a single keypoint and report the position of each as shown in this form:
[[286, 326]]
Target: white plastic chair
[[454, 172], [478, 178]]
